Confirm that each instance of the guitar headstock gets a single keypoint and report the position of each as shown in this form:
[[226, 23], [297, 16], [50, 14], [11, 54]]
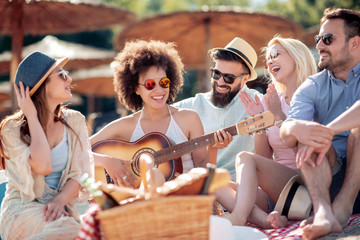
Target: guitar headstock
[[255, 123]]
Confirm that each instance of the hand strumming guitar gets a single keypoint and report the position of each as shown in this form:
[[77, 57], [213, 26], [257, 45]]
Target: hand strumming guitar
[[117, 170]]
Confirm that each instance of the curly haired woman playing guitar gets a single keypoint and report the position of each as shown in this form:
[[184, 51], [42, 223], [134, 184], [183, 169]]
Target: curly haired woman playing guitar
[[148, 76]]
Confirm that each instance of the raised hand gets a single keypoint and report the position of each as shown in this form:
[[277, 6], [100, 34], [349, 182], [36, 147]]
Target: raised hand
[[24, 100], [272, 102], [252, 107]]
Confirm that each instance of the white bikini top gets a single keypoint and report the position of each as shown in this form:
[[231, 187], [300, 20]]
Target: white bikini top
[[174, 134]]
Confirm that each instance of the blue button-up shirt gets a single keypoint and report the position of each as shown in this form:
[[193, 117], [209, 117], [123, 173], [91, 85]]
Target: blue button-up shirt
[[322, 98]]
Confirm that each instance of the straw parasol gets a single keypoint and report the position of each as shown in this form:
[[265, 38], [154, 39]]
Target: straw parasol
[[195, 32], [96, 81], [80, 56], [41, 17]]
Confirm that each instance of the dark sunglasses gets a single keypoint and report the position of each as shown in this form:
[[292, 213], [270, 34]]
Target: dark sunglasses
[[228, 78], [327, 38], [150, 83]]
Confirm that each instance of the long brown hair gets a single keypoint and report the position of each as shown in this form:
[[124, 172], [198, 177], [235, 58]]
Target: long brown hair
[[40, 102]]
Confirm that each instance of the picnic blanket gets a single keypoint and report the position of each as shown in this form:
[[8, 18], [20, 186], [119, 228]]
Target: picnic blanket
[[91, 229], [292, 231]]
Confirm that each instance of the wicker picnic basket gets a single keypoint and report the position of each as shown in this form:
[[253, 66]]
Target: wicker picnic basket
[[172, 217]]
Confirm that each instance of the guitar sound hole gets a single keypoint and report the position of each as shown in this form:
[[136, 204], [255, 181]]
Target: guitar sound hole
[[135, 165]]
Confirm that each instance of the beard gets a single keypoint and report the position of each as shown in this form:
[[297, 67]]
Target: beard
[[223, 99], [334, 64]]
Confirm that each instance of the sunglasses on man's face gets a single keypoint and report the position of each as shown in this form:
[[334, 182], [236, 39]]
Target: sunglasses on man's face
[[150, 83], [327, 38], [228, 78]]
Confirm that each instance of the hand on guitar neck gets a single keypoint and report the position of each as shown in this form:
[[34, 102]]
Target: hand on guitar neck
[[166, 157]]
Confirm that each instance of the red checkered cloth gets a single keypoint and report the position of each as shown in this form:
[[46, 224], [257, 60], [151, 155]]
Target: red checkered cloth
[[292, 231], [90, 227]]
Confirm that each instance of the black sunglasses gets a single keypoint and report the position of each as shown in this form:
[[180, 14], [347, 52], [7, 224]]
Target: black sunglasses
[[228, 78], [327, 38]]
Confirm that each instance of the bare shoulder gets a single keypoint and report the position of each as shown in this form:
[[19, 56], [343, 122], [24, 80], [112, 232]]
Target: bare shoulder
[[121, 128], [186, 119], [184, 113]]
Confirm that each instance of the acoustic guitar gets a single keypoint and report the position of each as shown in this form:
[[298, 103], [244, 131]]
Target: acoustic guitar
[[167, 156]]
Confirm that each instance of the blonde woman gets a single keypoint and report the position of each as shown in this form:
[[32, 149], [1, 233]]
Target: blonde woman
[[289, 62]]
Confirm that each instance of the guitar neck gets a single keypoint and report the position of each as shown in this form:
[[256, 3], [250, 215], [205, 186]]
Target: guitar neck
[[178, 150], [247, 126]]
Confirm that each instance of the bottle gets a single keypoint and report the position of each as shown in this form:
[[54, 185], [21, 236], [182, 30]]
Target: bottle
[[104, 199]]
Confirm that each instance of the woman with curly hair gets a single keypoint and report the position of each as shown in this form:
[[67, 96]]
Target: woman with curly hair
[[148, 76]]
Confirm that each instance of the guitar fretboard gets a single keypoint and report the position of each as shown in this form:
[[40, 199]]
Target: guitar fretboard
[[180, 149]]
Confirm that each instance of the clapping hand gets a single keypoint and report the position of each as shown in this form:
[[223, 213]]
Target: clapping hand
[[252, 107]]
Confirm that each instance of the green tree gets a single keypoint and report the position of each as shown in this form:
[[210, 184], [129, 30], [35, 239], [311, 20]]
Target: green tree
[[307, 12]]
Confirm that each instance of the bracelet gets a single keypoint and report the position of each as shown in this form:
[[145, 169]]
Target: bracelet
[[279, 123]]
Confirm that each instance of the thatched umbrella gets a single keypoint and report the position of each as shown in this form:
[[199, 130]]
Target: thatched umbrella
[[196, 32], [97, 81], [41, 17], [80, 56]]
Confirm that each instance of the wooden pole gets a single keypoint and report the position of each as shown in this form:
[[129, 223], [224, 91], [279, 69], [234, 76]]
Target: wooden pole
[[16, 45]]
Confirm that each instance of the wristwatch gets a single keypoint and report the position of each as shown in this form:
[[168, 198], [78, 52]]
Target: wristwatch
[[279, 123]]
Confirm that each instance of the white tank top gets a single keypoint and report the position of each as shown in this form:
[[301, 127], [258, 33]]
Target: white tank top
[[174, 134]]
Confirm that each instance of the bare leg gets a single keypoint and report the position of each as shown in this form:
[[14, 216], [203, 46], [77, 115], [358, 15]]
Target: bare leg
[[344, 201], [318, 181], [253, 171]]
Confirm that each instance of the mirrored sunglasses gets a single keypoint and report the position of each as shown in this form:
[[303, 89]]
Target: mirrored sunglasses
[[327, 38], [150, 83], [64, 75], [274, 53], [228, 78]]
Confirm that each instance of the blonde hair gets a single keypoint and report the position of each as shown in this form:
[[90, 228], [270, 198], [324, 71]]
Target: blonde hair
[[300, 53]]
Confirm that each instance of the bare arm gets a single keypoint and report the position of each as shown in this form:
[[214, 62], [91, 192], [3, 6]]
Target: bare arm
[[40, 152], [118, 129], [347, 120], [54, 209], [306, 132]]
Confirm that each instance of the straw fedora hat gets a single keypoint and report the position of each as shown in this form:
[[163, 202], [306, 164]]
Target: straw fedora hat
[[245, 51], [294, 201], [35, 68]]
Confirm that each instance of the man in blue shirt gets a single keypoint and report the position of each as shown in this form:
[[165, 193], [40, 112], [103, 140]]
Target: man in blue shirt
[[233, 67], [328, 159]]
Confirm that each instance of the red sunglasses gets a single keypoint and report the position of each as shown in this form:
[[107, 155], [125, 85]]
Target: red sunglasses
[[150, 83]]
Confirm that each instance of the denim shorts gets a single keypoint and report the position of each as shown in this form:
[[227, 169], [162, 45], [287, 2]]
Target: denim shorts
[[337, 182]]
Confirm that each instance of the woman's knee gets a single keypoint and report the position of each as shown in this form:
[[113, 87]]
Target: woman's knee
[[242, 158]]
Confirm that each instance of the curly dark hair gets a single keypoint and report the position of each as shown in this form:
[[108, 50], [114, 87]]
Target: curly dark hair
[[137, 57]]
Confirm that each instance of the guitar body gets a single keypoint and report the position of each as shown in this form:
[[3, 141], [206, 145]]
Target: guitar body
[[131, 152]]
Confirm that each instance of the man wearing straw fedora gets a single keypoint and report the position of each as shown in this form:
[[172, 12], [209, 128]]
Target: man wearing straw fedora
[[327, 152], [221, 107]]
